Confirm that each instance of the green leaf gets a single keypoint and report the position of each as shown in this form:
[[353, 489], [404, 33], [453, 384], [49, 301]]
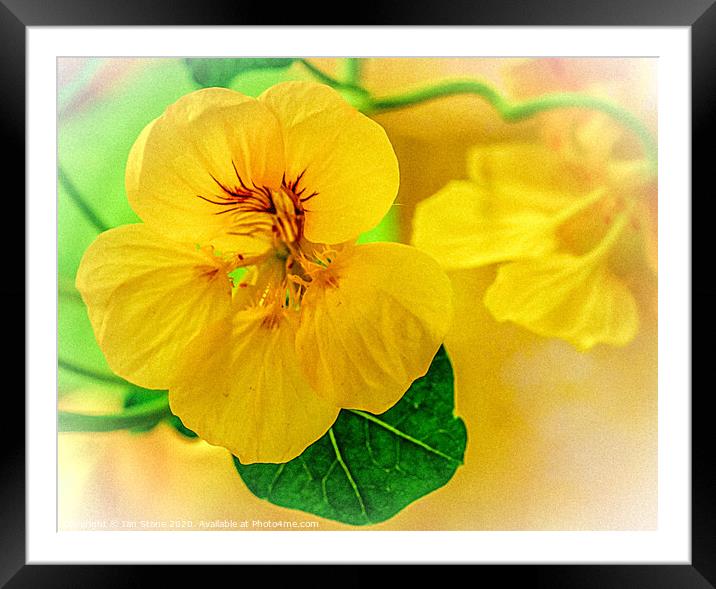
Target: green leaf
[[367, 468], [208, 72]]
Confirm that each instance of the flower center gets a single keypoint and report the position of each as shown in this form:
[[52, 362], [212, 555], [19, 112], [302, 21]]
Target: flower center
[[256, 211], [279, 276], [288, 217]]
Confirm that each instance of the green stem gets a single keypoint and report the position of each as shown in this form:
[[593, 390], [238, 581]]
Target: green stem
[[350, 85], [89, 373], [144, 415], [321, 75], [66, 289], [354, 69], [530, 108], [519, 111], [78, 199], [440, 90]]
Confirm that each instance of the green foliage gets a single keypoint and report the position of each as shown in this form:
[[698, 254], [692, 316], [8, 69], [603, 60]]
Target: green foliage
[[367, 468], [212, 71], [387, 230], [139, 396], [93, 144]]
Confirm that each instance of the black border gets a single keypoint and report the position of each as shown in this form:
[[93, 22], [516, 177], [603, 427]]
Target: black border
[[16, 15]]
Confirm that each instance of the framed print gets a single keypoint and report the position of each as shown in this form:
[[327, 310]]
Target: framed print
[[319, 300]]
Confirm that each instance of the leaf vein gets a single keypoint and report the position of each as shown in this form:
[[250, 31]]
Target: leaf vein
[[348, 474], [323, 482], [405, 436], [273, 481]]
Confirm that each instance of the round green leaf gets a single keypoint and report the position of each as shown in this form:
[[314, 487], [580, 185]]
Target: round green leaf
[[367, 468]]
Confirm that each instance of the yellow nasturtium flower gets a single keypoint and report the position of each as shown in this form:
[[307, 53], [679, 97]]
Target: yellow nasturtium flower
[[571, 228], [243, 292]]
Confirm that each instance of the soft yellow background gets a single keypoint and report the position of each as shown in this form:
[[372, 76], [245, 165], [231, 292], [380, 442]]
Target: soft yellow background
[[557, 439]]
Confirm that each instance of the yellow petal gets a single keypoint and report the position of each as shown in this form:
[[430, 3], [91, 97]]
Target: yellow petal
[[239, 386], [208, 139], [567, 297], [648, 213], [526, 176], [595, 140], [147, 297], [371, 323], [460, 228], [342, 155]]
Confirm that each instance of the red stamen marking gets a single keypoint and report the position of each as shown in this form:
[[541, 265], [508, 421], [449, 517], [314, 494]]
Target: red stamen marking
[[298, 178], [235, 192], [207, 272], [228, 202], [238, 176], [309, 197], [283, 209], [271, 321]]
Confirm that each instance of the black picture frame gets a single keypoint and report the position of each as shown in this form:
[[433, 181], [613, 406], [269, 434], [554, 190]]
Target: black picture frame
[[17, 15]]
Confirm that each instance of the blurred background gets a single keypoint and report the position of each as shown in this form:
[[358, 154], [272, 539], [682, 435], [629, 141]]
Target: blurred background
[[557, 439]]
